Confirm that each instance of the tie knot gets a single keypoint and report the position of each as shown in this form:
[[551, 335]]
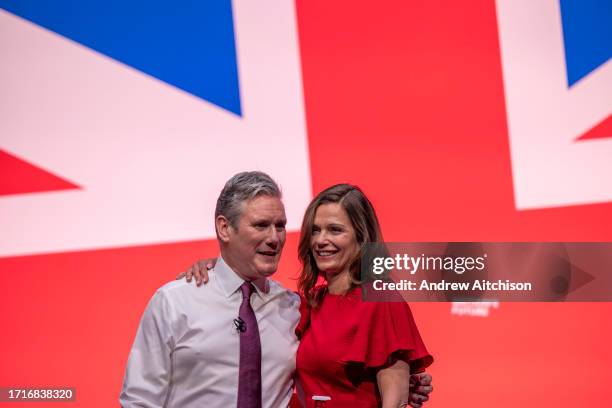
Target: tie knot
[[247, 289]]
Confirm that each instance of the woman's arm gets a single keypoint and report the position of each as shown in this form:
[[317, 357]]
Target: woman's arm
[[393, 383]]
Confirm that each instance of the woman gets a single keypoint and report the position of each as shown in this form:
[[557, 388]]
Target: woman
[[358, 353], [354, 351]]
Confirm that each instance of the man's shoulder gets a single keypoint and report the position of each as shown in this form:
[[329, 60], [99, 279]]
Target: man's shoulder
[[174, 286], [277, 287], [180, 288], [278, 291]]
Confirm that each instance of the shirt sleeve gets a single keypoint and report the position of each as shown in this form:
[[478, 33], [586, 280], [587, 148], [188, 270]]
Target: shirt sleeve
[[387, 332], [147, 375]]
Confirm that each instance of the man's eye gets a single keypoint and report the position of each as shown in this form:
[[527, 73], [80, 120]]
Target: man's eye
[[315, 230], [261, 225], [280, 227]]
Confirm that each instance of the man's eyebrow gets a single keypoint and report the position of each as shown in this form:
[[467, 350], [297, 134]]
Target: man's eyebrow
[[267, 220], [260, 221]]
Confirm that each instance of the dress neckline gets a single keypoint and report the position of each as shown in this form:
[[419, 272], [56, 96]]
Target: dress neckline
[[354, 291]]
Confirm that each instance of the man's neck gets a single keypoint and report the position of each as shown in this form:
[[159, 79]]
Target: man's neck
[[261, 283], [234, 266]]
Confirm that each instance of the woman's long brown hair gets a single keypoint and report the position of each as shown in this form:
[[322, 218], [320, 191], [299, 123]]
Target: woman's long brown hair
[[364, 222]]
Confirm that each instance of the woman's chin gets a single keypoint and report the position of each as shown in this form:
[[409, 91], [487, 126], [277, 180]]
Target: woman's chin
[[328, 271]]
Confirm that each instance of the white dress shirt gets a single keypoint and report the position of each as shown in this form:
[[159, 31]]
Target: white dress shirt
[[186, 352]]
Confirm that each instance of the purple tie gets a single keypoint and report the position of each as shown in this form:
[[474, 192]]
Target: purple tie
[[249, 380]]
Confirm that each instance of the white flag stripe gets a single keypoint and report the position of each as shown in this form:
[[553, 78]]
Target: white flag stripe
[[151, 158], [545, 117]]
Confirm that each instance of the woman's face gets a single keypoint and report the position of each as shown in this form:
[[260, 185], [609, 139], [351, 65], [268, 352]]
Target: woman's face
[[333, 242]]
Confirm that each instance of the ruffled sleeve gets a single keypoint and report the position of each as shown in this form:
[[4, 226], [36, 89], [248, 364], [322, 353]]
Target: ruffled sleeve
[[386, 332]]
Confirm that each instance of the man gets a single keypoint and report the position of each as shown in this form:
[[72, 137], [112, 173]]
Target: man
[[232, 342]]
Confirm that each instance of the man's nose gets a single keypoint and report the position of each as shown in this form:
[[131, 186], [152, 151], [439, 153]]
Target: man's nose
[[273, 238]]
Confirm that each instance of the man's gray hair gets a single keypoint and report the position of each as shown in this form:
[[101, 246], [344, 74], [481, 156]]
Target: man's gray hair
[[243, 187]]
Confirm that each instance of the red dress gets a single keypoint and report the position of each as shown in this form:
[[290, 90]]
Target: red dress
[[347, 341]]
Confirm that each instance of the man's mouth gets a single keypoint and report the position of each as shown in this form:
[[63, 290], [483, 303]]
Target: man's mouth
[[268, 253]]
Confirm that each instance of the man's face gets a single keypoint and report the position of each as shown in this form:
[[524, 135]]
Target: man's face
[[256, 245]]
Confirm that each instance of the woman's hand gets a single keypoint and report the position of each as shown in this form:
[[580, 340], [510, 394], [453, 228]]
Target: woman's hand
[[420, 388], [199, 271]]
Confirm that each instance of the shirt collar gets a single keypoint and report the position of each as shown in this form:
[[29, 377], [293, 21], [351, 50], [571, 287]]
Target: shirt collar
[[230, 281]]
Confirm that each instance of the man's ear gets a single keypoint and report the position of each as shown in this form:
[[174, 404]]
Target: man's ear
[[223, 227]]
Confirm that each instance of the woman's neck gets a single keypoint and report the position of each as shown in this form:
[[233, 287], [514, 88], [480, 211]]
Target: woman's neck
[[339, 284]]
